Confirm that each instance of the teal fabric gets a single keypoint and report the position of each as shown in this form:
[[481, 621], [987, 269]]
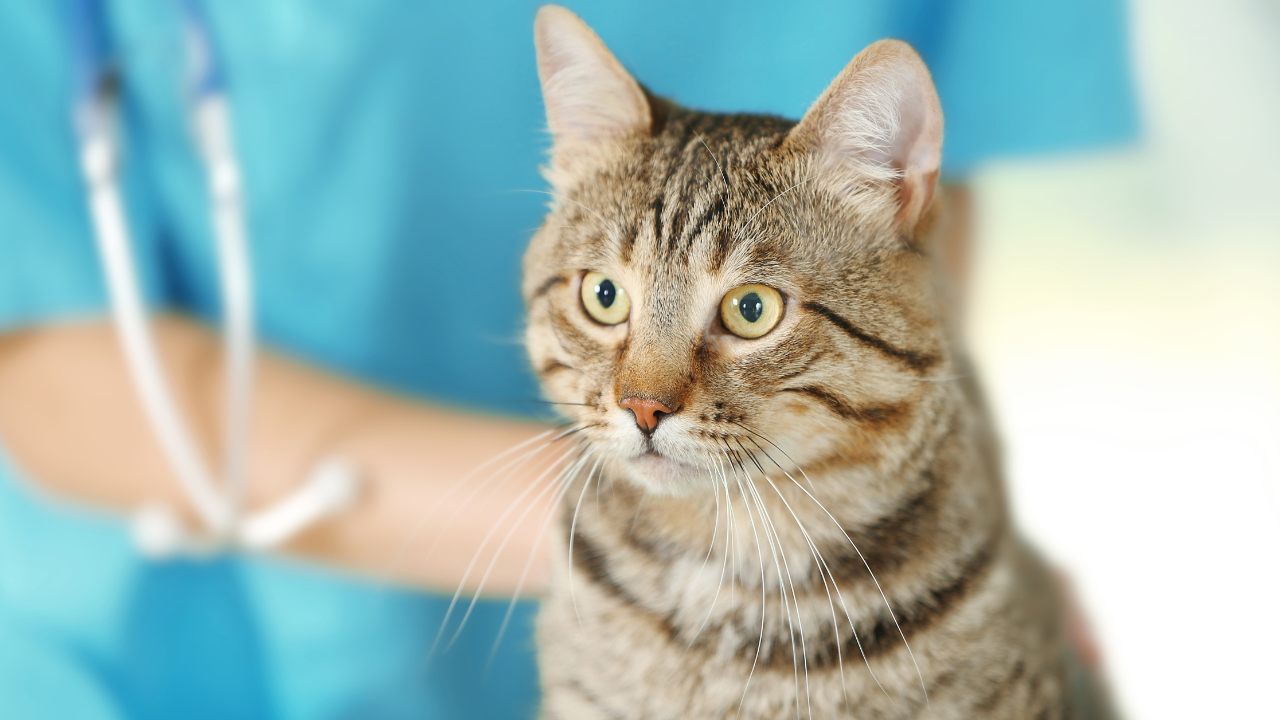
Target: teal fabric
[[390, 153]]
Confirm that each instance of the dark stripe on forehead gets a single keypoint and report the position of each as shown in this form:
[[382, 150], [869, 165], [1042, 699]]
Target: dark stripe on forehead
[[670, 158], [685, 153], [715, 209], [628, 242], [719, 167], [657, 219], [677, 226], [764, 255], [917, 361], [697, 152], [681, 196], [724, 242], [725, 239]]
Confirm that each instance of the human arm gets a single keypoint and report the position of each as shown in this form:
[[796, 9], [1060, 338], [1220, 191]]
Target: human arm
[[71, 419]]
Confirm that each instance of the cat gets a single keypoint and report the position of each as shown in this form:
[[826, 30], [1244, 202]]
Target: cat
[[788, 500]]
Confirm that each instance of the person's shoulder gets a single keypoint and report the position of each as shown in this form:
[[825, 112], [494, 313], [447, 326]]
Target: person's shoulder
[[1031, 78]]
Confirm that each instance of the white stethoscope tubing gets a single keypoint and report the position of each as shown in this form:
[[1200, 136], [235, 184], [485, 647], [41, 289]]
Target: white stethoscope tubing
[[213, 130], [332, 485], [213, 135], [98, 161]]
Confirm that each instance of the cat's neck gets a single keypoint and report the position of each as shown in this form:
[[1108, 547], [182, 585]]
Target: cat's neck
[[932, 510]]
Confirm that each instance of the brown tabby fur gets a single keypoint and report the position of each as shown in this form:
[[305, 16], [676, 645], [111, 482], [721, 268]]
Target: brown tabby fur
[[697, 592]]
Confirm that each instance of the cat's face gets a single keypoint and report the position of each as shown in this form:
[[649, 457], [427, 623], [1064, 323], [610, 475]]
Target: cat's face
[[709, 290]]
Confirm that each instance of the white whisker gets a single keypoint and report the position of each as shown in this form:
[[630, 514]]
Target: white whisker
[[715, 160], [730, 549], [788, 579], [835, 623], [573, 531], [547, 517], [488, 536], [870, 572], [560, 482], [762, 207], [723, 567], [775, 445], [763, 584], [563, 198], [818, 555], [403, 550], [774, 549]]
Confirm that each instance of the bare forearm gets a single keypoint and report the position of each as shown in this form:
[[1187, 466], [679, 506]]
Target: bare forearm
[[70, 418]]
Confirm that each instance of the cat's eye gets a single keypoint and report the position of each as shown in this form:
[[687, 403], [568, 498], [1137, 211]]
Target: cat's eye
[[604, 300], [750, 311]]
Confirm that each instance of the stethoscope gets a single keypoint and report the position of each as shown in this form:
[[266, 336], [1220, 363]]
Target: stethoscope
[[157, 529]]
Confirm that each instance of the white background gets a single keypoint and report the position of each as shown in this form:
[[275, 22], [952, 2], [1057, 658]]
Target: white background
[[1126, 322]]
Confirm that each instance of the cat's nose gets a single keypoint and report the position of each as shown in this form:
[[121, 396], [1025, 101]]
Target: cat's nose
[[648, 412]]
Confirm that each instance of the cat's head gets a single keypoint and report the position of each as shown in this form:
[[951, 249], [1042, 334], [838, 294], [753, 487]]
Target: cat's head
[[707, 288]]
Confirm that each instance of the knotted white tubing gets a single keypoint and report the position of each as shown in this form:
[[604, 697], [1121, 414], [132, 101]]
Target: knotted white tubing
[[332, 487]]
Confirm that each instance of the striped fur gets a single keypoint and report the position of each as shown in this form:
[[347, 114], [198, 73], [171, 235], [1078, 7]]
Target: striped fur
[[724, 567]]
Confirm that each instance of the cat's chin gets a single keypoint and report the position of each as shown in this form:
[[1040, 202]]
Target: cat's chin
[[663, 475]]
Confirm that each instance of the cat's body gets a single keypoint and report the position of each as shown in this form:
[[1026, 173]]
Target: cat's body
[[737, 493]]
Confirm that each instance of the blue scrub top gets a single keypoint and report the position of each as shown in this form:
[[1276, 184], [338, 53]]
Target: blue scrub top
[[390, 153]]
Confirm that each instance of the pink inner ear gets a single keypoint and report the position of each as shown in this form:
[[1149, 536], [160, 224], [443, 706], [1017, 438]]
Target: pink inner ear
[[910, 147], [880, 120], [914, 197], [589, 96], [916, 151], [917, 134]]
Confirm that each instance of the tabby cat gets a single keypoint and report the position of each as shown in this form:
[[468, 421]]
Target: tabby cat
[[788, 501]]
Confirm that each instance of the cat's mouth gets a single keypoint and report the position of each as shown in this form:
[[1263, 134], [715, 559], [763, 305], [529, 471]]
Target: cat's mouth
[[663, 474]]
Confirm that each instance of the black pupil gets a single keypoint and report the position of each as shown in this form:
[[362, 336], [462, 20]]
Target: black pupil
[[751, 306], [606, 293]]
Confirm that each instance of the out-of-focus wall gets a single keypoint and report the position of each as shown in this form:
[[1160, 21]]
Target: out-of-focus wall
[[1126, 321]]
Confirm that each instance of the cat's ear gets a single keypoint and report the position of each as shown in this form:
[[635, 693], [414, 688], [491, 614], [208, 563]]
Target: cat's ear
[[590, 99], [879, 120]]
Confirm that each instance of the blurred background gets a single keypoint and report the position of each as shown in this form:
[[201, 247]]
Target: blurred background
[[1126, 320], [1125, 311]]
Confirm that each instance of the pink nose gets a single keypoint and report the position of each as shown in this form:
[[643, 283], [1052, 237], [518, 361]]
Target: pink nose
[[647, 412]]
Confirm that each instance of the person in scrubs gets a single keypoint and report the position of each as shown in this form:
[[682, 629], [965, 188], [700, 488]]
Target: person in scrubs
[[390, 154]]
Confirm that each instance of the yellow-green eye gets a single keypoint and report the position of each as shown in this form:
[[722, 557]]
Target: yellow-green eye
[[605, 300], [750, 311]]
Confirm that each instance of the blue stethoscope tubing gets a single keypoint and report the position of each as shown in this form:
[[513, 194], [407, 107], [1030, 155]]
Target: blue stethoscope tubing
[[220, 506]]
